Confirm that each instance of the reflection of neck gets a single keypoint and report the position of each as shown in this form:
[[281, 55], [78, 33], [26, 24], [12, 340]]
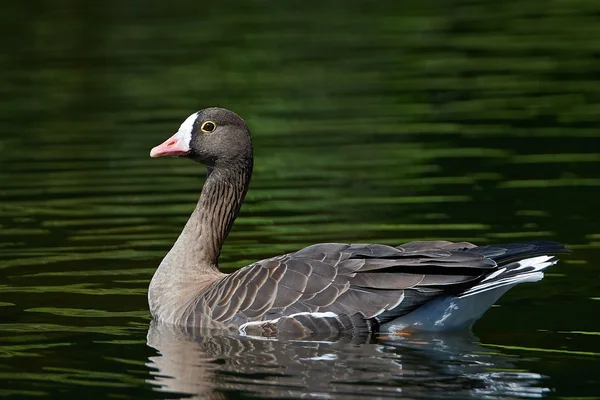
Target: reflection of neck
[[182, 365], [192, 263]]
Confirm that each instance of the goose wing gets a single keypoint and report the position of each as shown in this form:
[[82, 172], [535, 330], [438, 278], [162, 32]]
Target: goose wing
[[335, 288]]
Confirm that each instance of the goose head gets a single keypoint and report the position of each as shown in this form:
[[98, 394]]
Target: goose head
[[215, 137]]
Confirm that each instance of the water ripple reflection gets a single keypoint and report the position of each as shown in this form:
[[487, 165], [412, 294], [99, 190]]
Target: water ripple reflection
[[382, 122], [452, 366]]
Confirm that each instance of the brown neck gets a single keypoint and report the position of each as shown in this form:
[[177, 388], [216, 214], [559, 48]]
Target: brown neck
[[192, 263], [199, 245], [219, 204]]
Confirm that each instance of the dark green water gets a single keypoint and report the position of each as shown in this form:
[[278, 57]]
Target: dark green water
[[385, 122]]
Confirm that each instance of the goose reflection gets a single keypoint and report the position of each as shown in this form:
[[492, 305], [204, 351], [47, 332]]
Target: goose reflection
[[208, 365]]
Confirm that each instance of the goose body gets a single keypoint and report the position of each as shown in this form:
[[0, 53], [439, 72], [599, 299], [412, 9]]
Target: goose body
[[327, 289]]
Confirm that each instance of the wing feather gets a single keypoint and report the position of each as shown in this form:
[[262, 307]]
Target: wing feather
[[335, 287]]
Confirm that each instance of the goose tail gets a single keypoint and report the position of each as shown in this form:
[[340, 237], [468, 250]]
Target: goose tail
[[462, 310]]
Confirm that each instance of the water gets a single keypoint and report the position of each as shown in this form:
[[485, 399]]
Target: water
[[461, 120]]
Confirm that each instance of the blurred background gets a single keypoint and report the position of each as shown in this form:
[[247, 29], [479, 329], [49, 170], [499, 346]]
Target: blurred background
[[372, 122]]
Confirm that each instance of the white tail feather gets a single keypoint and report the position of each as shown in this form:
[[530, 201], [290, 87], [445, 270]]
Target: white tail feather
[[496, 280]]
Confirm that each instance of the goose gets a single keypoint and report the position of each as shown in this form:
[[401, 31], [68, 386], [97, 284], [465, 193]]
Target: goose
[[327, 289]]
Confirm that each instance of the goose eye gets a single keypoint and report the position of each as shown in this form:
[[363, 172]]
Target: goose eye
[[208, 127]]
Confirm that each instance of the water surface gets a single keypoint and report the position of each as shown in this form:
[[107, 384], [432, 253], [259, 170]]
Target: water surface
[[391, 122]]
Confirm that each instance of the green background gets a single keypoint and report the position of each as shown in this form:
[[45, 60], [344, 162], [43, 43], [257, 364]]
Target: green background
[[372, 122]]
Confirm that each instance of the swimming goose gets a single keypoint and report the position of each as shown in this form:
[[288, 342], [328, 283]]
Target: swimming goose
[[326, 289]]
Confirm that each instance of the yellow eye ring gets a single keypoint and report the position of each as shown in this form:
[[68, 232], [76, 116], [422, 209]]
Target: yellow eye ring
[[208, 127]]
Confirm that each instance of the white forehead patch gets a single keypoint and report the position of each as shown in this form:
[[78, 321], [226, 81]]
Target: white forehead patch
[[185, 130]]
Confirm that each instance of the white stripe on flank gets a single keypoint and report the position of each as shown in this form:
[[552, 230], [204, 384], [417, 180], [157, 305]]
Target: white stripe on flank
[[328, 314], [242, 328]]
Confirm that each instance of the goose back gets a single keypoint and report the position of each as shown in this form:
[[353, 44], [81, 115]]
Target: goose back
[[332, 289]]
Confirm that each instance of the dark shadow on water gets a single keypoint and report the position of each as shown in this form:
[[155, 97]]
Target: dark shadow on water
[[216, 366]]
